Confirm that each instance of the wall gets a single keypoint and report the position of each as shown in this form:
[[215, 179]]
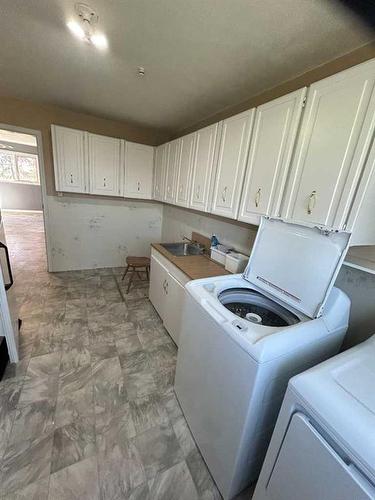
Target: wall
[[178, 222], [36, 116], [358, 285], [87, 233], [16, 196]]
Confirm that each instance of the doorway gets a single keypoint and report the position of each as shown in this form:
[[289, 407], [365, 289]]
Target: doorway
[[22, 193], [23, 242]]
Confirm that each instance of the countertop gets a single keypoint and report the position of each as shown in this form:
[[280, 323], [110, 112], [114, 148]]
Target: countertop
[[194, 266]]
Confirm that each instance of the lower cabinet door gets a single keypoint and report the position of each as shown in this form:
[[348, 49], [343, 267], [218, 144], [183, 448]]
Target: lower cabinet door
[[175, 292], [158, 286], [308, 468]]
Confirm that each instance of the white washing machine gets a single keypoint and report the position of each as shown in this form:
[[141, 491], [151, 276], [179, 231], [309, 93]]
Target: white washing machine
[[243, 337], [323, 446]]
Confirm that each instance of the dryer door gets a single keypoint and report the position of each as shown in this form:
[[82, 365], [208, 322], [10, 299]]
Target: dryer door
[[308, 468]]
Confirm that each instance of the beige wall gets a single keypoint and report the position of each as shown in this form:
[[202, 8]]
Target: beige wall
[[36, 116]]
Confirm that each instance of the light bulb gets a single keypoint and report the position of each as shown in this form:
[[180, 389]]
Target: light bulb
[[76, 29], [99, 40]]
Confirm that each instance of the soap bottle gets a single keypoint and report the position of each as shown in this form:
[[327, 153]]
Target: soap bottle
[[214, 241]]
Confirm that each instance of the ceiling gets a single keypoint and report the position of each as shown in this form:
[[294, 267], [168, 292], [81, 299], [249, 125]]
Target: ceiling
[[200, 56]]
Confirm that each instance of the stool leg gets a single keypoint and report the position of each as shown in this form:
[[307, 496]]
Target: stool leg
[[126, 270], [130, 280], [147, 273], [139, 276]]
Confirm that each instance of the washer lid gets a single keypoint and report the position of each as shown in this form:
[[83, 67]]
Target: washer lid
[[296, 264]]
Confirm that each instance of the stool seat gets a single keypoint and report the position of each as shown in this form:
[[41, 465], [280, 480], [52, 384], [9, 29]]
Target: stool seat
[[138, 261], [136, 265]]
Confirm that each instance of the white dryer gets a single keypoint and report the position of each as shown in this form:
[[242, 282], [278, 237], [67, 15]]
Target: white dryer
[[323, 446], [243, 337]]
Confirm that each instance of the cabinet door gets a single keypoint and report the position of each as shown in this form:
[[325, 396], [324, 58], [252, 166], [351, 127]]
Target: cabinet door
[[184, 169], [69, 159], [203, 167], [175, 295], [139, 162], [331, 147], [271, 148], [234, 146], [161, 156], [171, 171], [158, 280], [104, 155]]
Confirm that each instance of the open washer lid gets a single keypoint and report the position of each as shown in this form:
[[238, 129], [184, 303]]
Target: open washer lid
[[296, 264]]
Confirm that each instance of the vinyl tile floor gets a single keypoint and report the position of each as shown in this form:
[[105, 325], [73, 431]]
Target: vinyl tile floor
[[89, 412]]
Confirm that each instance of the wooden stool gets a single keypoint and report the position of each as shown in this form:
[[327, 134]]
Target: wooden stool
[[135, 264]]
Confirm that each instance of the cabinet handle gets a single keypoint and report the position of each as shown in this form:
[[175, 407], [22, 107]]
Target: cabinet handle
[[224, 194], [257, 198], [197, 192], [71, 178], [104, 182], [166, 287], [312, 202], [138, 186]]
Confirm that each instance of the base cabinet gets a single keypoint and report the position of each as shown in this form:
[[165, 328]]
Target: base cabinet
[[167, 291]]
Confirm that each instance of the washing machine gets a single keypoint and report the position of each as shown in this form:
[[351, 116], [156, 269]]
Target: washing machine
[[244, 336], [323, 446]]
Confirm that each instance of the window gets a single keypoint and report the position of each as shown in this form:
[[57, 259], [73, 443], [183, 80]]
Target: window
[[19, 167]]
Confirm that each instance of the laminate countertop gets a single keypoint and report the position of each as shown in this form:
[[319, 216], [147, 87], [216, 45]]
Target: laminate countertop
[[194, 266]]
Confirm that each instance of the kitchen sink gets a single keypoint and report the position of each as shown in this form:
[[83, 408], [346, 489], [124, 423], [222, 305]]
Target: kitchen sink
[[181, 249]]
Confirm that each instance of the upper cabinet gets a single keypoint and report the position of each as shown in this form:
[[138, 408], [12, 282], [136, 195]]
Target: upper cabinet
[[69, 159], [273, 139], [160, 160], [234, 146], [203, 167], [171, 171], [139, 164], [104, 164], [184, 169], [331, 150]]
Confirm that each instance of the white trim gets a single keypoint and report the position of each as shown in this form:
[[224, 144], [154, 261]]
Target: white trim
[[39, 140]]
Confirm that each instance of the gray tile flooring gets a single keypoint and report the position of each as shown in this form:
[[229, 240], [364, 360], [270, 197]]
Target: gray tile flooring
[[89, 412]]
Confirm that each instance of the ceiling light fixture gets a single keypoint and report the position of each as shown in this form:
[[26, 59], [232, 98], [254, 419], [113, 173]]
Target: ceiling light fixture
[[84, 27]]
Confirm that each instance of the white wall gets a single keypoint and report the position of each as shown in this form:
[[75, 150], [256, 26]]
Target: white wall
[[86, 233], [178, 222], [17, 196], [358, 285]]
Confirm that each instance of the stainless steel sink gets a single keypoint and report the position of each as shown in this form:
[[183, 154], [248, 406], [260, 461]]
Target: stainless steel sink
[[180, 249]]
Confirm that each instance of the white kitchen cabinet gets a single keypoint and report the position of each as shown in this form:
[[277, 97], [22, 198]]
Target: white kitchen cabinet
[[69, 159], [104, 165], [171, 171], [331, 148], [204, 167], [231, 163], [175, 294], [361, 218], [158, 279], [185, 165], [167, 292], [271, 148], [161, 158], [139, 164]]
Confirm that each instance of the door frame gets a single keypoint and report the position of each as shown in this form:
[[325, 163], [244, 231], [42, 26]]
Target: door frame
[[43, 185]]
